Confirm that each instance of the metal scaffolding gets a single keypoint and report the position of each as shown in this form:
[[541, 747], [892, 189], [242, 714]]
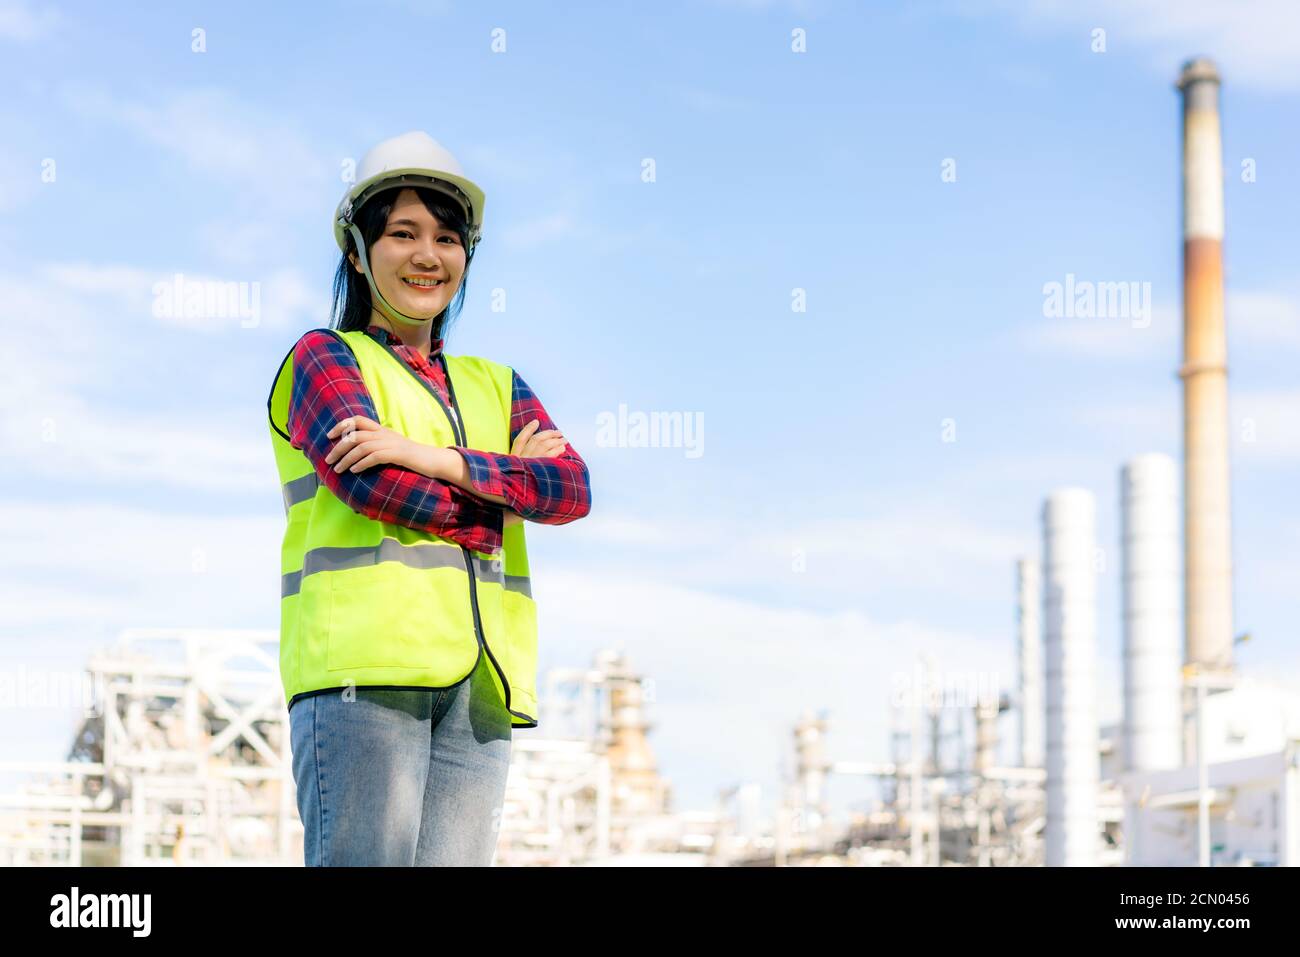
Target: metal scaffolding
[[183, 758]]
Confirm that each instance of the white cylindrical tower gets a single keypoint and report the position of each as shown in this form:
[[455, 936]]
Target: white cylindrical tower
[[1149, 549], [1070, 647], [1030, 642]]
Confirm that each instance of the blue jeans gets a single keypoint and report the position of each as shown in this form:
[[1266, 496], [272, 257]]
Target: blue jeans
[[402, 778]]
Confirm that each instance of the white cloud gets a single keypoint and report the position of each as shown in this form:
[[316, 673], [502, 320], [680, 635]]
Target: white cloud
[[20, 173], [66, 437], [1153, 415], [222, 139], [627, 530], [1265, 426], [713, 101], [254, 170], [24, 21], [1253, 318], [1255, 42], [58, 423], [920, 543], [281, 298], [1267, 318], [115, 565], [242, 242], [25, 158], [1039, 470], [290, 301], [28, 304], [1104, 338], [129, 286], [1277, 574]]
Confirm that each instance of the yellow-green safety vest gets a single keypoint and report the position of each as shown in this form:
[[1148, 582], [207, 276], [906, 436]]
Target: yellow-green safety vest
[[365, 603]]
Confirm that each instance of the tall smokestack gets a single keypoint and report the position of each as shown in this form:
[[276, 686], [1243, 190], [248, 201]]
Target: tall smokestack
[[1207, 583], [1030, 646]]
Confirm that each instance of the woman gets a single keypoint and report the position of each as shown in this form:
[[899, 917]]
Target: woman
[[408, 630]]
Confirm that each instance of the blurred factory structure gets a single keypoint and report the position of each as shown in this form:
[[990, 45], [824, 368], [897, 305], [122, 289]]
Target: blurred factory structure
[[1211, 759], [184, 759], [1208, 759], [181, 758]]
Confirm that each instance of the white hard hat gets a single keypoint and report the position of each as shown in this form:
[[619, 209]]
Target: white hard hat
[[412, 159]]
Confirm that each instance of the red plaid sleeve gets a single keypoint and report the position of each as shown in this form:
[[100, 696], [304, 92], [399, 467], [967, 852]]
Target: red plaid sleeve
[[552, 491], [327, 387]]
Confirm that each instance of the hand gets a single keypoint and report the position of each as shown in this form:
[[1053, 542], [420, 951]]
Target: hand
[[531, 444], [364, 442]]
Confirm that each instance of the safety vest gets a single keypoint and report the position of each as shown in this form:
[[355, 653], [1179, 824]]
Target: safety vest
[[365, 603]]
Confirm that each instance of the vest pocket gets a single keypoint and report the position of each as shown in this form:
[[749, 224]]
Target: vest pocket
[[392, 616]]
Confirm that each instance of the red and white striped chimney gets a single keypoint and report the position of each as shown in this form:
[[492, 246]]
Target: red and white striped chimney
[[1206, 490]]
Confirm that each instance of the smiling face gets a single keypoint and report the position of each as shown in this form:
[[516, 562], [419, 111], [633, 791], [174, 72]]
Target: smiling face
[[416, 262]]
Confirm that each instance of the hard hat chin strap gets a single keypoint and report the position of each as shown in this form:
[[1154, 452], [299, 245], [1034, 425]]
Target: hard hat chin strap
[[376, 296]]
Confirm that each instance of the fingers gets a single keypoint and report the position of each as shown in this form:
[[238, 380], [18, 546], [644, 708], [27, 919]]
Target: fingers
[[546, 434], [532, 444], [353, 429], [374, 458], [369, 451], [349, 455], [342, 426], [350, 423], [535, 436], [521, 440], [542, 443], [544, 450], [343, 445]]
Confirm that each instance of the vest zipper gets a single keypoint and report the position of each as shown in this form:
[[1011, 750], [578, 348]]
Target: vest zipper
[[453, 416]]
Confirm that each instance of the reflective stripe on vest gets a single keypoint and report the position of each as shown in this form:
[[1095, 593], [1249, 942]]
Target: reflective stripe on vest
[[369, 603], [299, 490], [333, 557]]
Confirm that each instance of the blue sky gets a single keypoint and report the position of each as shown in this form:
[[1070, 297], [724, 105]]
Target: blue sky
[[141, 489]]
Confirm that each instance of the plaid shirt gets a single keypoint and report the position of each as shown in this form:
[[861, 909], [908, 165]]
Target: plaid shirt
[[327, 387]]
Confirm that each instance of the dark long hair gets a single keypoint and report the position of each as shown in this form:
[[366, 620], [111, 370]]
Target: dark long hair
[[352, 304]]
